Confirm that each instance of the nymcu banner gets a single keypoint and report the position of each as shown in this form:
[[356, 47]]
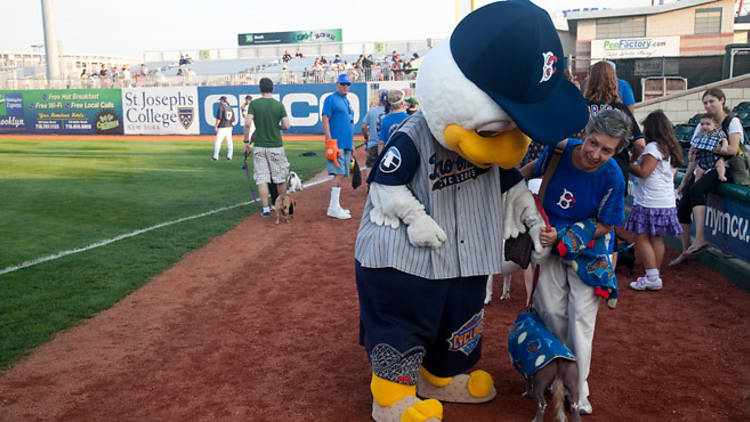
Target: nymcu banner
[[727, 225]]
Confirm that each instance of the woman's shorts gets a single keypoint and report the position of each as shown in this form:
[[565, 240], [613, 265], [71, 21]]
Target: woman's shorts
[[270, 165], [344, 161]]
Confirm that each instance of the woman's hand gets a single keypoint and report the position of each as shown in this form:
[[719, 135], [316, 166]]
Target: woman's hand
[[548, 236]]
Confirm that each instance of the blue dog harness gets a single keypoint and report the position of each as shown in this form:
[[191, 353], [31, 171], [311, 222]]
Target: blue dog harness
[[532, 346]]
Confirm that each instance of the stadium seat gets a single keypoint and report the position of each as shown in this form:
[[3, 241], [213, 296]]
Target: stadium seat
[[684, 132], [742, 107], [695, 120]]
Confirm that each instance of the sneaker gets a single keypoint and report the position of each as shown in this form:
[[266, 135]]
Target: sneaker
[[584, 406], [229, 158], [213, 159], [265, 212], [643, 283], [338, 213]]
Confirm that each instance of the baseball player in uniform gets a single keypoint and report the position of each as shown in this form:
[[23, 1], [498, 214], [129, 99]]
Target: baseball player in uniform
[[443, 196], [224, 123]]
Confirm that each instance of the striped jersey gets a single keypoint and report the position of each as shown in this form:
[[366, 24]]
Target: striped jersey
[[463, 199]]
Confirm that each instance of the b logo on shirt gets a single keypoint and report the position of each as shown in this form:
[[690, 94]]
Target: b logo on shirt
[[566, 200], [549, 60], [391, 160]]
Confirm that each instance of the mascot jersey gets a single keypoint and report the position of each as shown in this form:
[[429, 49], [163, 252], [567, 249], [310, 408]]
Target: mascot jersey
[[463, 199]]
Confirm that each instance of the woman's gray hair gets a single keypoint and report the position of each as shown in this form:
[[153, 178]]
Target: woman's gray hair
[[612, 123]]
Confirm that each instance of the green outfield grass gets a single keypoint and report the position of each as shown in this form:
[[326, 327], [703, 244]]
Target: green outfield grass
[[62, 195]]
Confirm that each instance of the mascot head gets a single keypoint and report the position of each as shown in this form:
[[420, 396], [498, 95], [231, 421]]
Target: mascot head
[[497, 82]]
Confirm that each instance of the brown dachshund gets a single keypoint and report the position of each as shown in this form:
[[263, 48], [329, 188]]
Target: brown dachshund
[[284, 208]]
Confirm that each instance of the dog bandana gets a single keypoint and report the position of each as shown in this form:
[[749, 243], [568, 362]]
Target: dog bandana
[[532, 346]]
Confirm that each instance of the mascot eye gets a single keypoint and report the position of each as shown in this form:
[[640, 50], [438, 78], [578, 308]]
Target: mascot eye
[[488, 133], [495, 128]]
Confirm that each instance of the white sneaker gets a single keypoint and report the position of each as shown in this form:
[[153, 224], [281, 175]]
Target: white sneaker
[[584, 406], [338, 213], [643, 283]]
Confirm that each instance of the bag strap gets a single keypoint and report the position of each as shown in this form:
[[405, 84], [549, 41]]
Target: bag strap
[[551, 167], [548, 173]]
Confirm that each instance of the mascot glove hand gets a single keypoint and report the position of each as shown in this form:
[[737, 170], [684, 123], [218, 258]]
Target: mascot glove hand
[[424, 232], [379, 198], [520, 207]]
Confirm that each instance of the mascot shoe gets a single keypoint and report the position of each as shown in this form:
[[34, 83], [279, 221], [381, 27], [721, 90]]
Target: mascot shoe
[[476, 387], [394, 402]]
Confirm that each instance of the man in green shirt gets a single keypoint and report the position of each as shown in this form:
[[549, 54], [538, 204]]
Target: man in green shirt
[[269, 159]]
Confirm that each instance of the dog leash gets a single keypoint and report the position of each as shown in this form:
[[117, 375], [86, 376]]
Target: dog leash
[[247, 176], [548, 173]]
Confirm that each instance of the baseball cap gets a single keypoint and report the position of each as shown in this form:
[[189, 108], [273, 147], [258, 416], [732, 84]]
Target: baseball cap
[[344, 79], [222, 98], [395, 97], [511, 51], [248, 97]]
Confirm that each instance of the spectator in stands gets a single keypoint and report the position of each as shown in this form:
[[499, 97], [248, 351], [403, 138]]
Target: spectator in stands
[[126, 76], [182, 60], [286, 57], [293, 78], [337, 119], [188, 60], [144, 69], [298, 54], [270, 164], [367, 64], [284, 76], [159, 78], [306, 75], [624, 89], [337, 59], [694, 193]]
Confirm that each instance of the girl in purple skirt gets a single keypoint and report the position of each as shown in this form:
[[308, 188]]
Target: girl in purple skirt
[[654, 212]]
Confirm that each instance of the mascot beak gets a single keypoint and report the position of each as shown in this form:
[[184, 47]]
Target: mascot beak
[[506, 149]]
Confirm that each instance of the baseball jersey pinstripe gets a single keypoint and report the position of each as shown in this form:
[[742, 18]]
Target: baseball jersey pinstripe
[[463, 199]]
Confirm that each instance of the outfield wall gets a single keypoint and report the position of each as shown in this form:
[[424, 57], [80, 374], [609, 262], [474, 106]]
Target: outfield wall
[[159, 111]]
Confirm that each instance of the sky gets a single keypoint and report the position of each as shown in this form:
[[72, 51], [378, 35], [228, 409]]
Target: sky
[[128, 28]]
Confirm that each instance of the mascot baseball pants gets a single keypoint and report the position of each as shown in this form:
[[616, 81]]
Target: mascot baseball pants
[[407, 321], [568, 308]]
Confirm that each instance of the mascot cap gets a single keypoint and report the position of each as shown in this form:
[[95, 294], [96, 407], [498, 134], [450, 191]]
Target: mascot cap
[[511, 51]]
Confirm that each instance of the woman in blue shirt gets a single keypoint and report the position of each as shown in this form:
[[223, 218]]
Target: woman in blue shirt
[[584, 201]]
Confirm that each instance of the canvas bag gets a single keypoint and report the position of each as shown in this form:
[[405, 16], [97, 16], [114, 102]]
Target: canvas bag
[[738, 171]]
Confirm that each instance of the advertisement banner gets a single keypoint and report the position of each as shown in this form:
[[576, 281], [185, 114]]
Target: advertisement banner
[[727, 225], [160, 111], [61, 111], [635, 47], [291, 37], [303, 104]]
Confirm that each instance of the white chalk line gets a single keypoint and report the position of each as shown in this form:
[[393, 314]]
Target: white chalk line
[[105, 242]]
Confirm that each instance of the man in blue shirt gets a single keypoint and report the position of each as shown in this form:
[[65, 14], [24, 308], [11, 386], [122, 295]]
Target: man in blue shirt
[[370, 128], [338, 123]]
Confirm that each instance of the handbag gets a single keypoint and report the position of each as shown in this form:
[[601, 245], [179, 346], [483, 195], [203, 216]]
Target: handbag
[[738, 171]]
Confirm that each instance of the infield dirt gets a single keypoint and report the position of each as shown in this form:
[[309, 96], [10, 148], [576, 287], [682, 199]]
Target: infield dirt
[[262, 325]]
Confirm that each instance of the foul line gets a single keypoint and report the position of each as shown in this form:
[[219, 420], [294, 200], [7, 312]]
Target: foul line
[[132, 234]]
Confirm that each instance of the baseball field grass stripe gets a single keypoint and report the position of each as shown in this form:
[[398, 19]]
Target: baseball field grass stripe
[[135, 233], [115, 239]]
